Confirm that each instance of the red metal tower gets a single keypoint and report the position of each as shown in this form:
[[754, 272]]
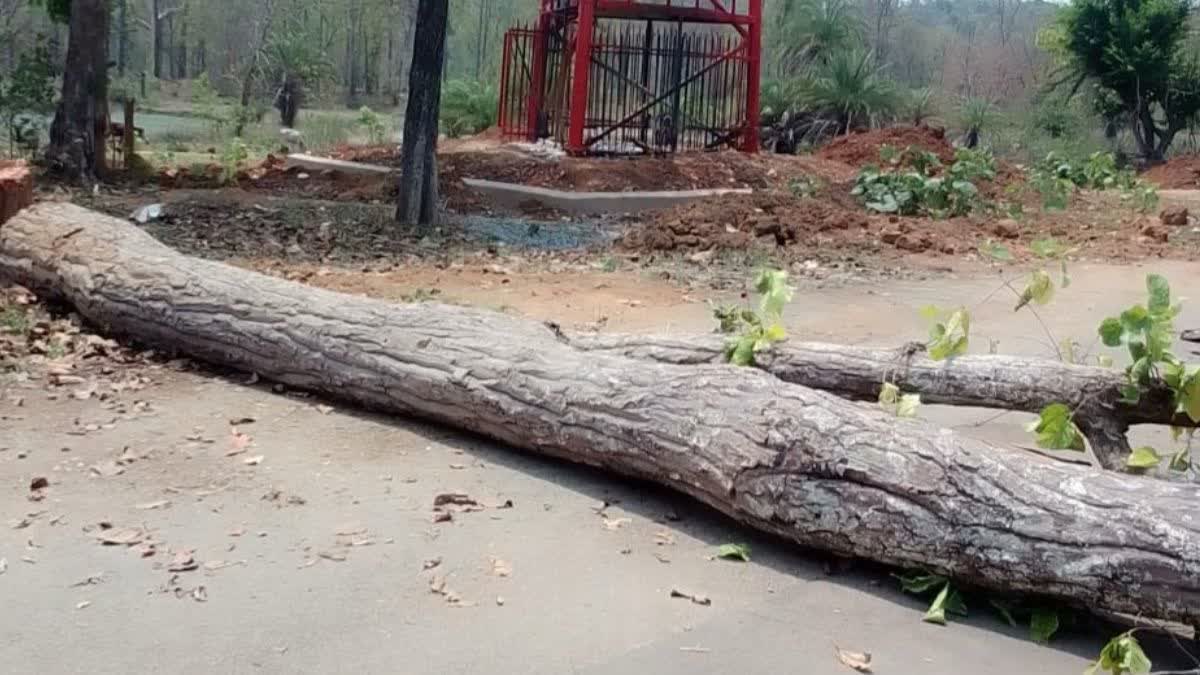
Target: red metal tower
[[620, 76]]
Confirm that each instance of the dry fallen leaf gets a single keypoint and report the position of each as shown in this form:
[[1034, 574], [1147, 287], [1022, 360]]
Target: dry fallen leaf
[[860, 661], [83, 605], [615, 523], [237, 532], [458, 467], [124, 536], [694, 597], [664, 538], [442, 516], [501, 568], [3, 565], [350, 529], [324, 409], [200, 594], [238, 442], [108, 469], [661, 558], [150, 506], [182, 561], [254, 461], [39, 483], [240, 421], [93, 580], [145, 550], [437, 584], [431, 563], [335, 556]]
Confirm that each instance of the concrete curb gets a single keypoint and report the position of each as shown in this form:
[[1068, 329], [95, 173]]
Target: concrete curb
[[513, 195]]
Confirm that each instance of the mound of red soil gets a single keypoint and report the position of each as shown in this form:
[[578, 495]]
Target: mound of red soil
[[861, 149], [737, 222], [1180, 173]]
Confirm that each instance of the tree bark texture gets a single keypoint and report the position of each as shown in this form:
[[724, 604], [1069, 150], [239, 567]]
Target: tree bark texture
[[805, 465], [998, 382], [418, 199], [77, 134]]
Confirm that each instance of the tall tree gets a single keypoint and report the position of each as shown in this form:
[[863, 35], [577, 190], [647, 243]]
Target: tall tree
[[418, 199], [77, 134], [1135, 50]]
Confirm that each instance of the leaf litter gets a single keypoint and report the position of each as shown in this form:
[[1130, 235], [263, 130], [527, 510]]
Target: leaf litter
[[860, 661]]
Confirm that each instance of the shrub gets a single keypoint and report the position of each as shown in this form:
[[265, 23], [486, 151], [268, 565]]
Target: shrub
[[468, 107]]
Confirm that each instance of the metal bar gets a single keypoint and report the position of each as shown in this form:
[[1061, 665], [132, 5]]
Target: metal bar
[[579, 85], [537, 87], [662, 97], [750, 142]]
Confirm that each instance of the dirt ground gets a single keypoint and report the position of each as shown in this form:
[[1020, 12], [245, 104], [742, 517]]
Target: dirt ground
[[257, 530]]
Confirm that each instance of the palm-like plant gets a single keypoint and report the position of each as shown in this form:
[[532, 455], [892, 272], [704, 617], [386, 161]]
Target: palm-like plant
[[922, 105], [976, 114], [853, 89], [812, 31], [468, 107]]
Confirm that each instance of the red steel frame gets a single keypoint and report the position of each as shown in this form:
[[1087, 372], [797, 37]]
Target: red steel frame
[[585, 13]]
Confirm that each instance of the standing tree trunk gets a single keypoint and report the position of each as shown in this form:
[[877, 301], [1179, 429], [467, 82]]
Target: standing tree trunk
[[418, 199], [155, 19], [122, 36], [77, 134]]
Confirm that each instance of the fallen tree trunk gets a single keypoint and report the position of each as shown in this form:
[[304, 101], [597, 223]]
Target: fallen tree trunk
[[783, 458], [992, 381]]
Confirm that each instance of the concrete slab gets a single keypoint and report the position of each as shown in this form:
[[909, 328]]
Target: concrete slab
[[314, 163], [581, 203]]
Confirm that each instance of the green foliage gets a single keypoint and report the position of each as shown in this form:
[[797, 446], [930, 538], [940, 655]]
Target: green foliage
[[758, 330], [233, 155], [853, 89], [812, 31], [1134, 50], [947, 599], [1056, 177], [1122, 655], [976, 114], [374, 124], [897, 403], [1147, 332], [468, 107], [949, 334], [14, 320], [740, 552], [27, 96], [922, 191], [805, 186], [1056, 430], [921, 106], [1043, 624], [58, 10]]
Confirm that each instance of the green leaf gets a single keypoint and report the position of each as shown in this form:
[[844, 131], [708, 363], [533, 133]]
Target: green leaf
[[1047, 248], [1181, 461], [1040, 290], [1043, 625], [1104, 361], [1123, 655], [1143, 458], [1056, 431], [952, 338], [1135, 319], [1189, 396], [776, 333], [919, 584], [734, 552], [889, 394], [1131, 394], [775, 293], [1160, 294], [1112, 332], [998, 252], [742, 353], [947, 601], [908, 405], [1005, 610], [937, 609]]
